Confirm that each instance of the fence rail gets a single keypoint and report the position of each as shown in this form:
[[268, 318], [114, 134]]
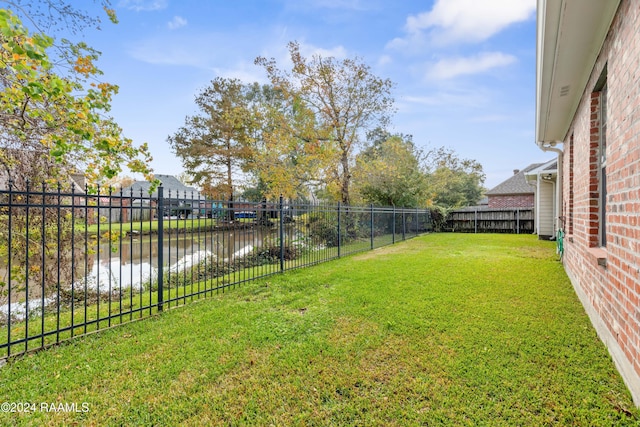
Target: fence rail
[[67, 269], [518, 221]]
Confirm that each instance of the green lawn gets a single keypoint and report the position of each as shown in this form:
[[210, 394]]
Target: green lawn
[[445, 329], [147, 226]]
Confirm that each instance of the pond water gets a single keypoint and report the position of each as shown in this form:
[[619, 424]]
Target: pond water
[[133, 262]]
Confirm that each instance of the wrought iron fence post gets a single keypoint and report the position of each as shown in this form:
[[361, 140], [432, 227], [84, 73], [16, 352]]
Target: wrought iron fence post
[[58, 239], [339, 231], [517, 221], [393, 232], [160, 247], [404, 225], [43, 220], [9, 267], [417, 221], [371, 225], [281, 233]]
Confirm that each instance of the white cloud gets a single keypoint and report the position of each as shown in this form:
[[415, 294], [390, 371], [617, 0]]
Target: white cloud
[[384, 60], [144, 5], [453, 67], [461, 21], [175, 51], [470, 20], [454, 98], [193, 50], [397, 43], [442, 99], [246, 72], [337, 52], [177, 22]]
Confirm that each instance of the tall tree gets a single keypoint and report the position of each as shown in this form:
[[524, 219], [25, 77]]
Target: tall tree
[[288, 158], [453, 182], [56, 107], [345, 100], [57, 16], [217, 143], [53, 123], [389, 172]]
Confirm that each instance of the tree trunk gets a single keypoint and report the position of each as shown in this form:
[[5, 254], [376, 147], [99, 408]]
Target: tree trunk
[[231, 215], [346, 179]]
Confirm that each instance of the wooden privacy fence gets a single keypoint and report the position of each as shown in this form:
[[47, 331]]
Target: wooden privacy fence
[[492, 221]]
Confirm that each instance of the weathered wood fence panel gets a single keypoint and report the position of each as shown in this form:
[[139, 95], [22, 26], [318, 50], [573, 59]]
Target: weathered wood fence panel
[[515, 221]]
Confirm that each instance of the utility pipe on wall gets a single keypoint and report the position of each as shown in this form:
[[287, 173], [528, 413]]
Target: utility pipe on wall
[[538, 194]]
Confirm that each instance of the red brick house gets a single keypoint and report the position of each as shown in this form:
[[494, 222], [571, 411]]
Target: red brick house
[[588, 112], [514, 192]]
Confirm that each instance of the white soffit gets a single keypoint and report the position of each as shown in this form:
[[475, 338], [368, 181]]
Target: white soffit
[[570, 34]]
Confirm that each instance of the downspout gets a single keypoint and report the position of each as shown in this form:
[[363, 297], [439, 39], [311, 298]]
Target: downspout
[[538, 188], [551, 146], [556, 209]]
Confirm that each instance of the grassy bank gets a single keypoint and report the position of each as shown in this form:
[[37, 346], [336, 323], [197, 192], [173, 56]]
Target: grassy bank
[[151, 227], [445, 329]]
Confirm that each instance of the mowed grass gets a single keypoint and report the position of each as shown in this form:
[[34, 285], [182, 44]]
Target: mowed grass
[[146, 226], [445, 329]]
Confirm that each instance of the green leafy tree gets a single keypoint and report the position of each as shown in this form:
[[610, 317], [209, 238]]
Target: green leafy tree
[[217, 143], [58, 109], [453, 182], [341, 99], [288, 158], [54, 122], [389, 172]]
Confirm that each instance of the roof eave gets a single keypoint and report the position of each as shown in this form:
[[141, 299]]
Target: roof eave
[[543, 169], [570, 35]]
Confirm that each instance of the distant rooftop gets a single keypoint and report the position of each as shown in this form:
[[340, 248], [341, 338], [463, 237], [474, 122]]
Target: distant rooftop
[[172, 188], [550, 167], [517, 184]]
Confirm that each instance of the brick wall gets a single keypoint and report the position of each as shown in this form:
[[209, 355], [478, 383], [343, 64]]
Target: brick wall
[[512, 201], [607, 276]]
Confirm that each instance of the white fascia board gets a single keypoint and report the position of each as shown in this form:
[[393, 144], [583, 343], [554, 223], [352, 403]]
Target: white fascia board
[[570, 35]]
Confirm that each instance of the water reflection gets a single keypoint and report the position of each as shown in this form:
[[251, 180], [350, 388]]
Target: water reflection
[[133, 263]]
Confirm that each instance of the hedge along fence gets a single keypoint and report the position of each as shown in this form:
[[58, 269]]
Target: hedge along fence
[[517, 221], [67, 269]]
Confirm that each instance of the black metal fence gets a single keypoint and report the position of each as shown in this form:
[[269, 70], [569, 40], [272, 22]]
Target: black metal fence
[[517, 221], [67, 269]]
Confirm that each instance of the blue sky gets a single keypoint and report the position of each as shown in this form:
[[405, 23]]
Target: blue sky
[[464, 70]]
